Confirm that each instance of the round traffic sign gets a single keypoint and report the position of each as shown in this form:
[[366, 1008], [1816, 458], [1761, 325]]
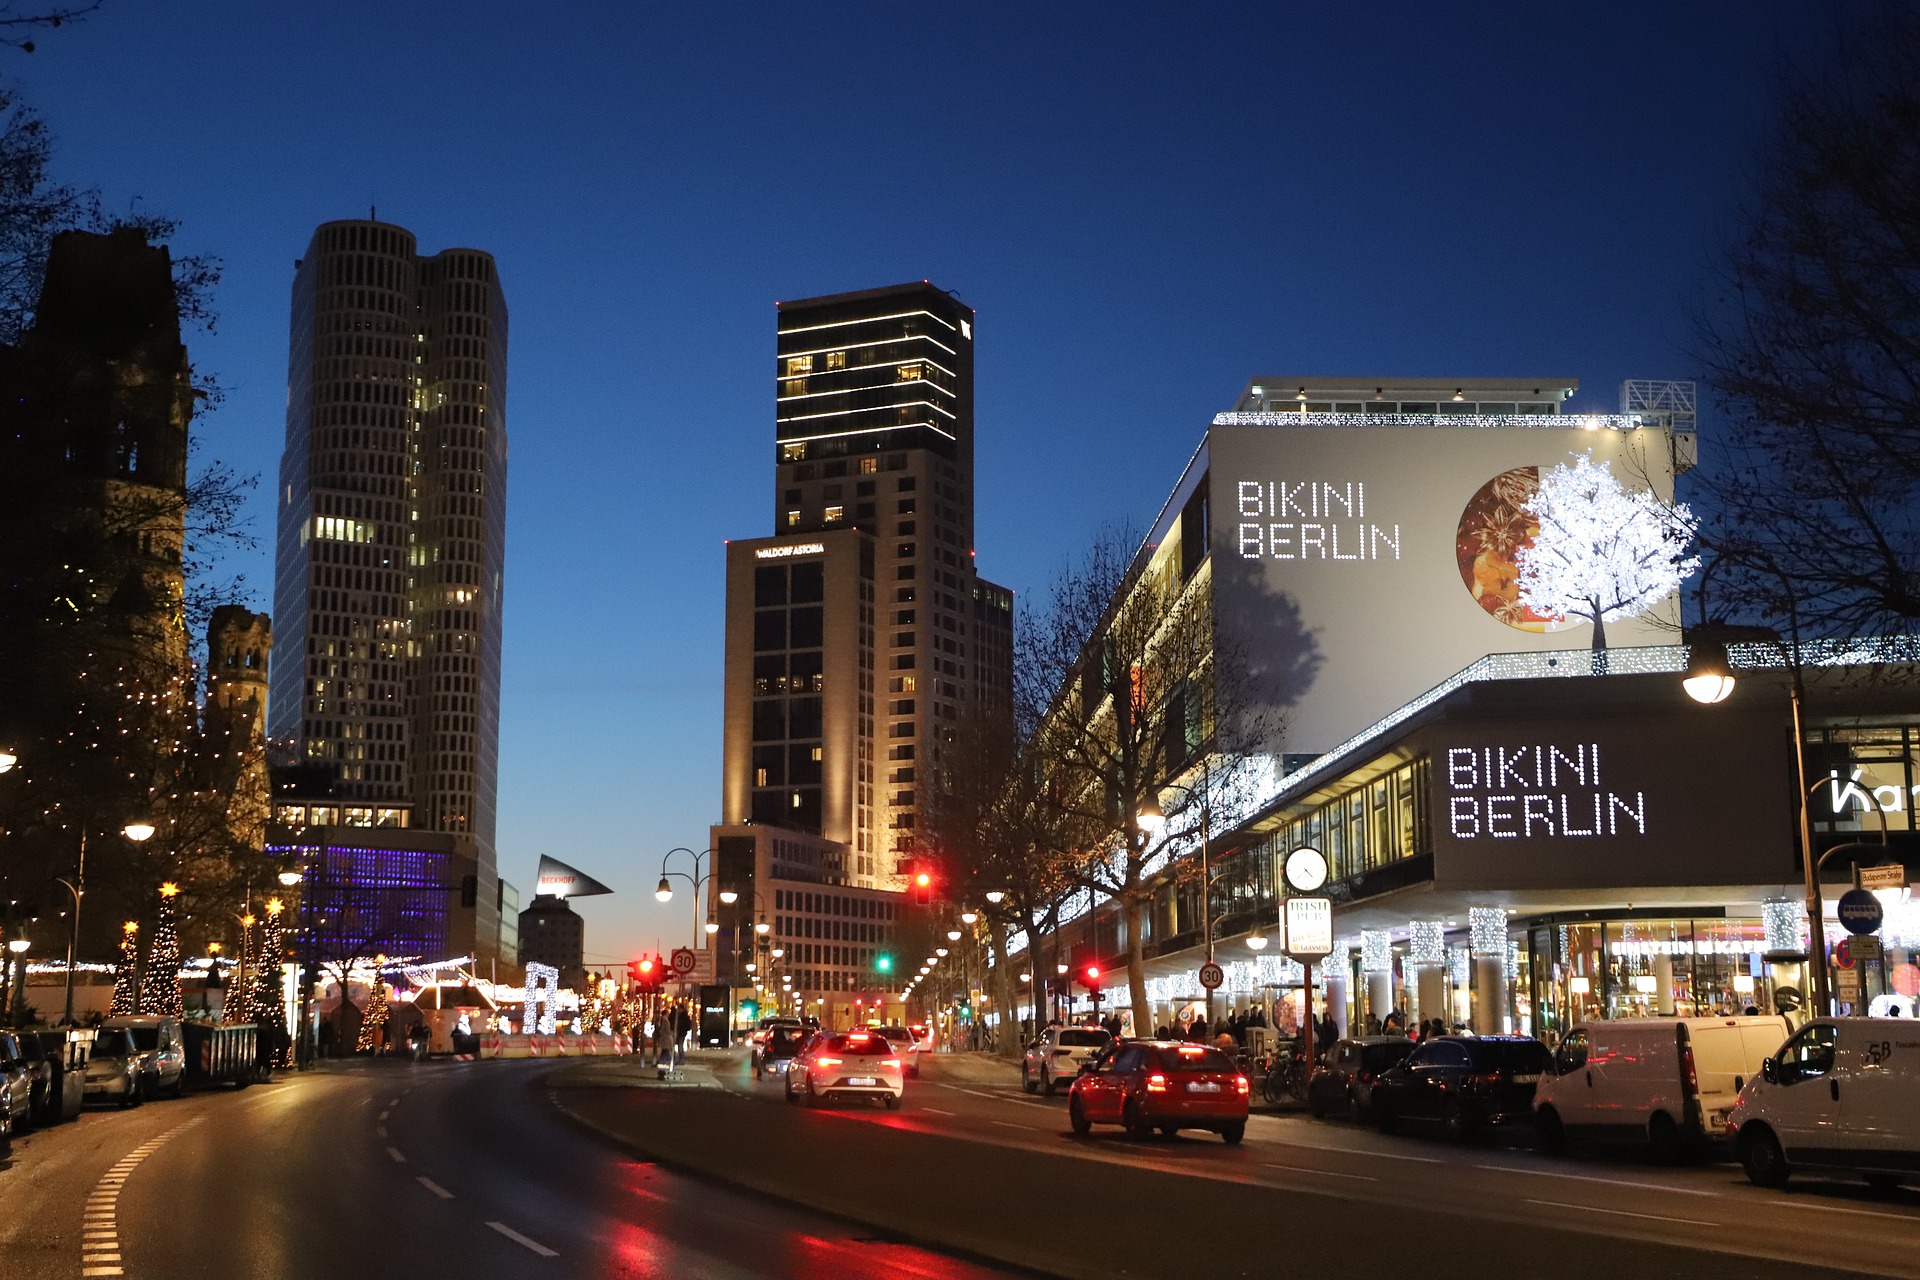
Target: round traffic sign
[[1860, 911], [1211, 977], [1306, 870], [1843, 954], [683, 961]]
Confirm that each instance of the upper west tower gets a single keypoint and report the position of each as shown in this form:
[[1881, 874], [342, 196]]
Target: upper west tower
[[392, 528]]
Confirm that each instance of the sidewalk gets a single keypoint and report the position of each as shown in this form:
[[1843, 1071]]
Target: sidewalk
[[629, 1073], [970, 1068]]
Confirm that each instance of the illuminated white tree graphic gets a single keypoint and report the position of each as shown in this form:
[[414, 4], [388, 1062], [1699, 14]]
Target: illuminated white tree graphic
[[1603, 550]]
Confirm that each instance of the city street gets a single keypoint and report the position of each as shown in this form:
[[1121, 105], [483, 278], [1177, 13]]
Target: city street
[[439, 1170]]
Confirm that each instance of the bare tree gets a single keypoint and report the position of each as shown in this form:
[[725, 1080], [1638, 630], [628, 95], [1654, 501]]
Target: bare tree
[[17, 26], [1818, 360]]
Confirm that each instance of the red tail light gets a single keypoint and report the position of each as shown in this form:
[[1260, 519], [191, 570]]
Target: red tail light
[[1484, 1077], [1240, 1084], [1156, 1083], [827, 1062], [891, 1062], [1692, 1077]]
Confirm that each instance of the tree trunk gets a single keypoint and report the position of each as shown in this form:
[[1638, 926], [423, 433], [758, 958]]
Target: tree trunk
[[1137, 965], [1599, 639]]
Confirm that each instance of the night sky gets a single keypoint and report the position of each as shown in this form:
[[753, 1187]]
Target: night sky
[[1147, 204]]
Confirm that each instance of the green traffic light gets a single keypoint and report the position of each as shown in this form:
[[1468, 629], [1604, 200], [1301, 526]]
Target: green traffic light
[[884, 964]]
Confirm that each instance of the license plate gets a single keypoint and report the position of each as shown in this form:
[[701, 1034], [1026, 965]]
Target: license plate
[[1532, 1079], [861, 1080], [1204, 1087]]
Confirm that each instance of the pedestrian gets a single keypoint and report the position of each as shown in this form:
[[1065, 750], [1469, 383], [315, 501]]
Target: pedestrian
[[1197, 1033], [1324, 1034], [1258, 1018]]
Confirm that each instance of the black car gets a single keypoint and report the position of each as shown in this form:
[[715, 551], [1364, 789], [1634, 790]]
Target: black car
[[782, 1043], [1462, 1083], [1345, 1082]]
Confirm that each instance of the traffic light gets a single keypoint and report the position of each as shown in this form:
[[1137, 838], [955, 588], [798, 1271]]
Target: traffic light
[[1091, 976], [750, 1009], [644, 973], [923, 887], [883, 963]]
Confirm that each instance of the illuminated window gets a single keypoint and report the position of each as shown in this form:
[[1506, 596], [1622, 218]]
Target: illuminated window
[[793, 519], [835, 513], [793, 452], [836, 359], [759, 777], [799, 364], [907, 373], [816, 754], [794, 387], [869, 466]]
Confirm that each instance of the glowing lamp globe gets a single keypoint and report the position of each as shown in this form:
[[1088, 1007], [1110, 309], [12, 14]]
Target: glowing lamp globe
[[1709, 677]]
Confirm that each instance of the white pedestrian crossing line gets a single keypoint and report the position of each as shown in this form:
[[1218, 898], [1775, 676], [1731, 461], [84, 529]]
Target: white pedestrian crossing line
[[100, 1252]]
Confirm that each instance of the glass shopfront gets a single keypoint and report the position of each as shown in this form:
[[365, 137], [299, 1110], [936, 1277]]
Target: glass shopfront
[[1643, 967]]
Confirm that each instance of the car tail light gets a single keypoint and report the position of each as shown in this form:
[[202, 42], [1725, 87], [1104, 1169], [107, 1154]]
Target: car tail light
[[891, 1062], [1240, 1084], [827, 1062], [1156, 1083], [1484, 1077], [1691, 1076]]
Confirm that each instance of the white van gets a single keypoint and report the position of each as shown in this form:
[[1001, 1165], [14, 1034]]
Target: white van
[[1842, 1094], [1668, 1081]]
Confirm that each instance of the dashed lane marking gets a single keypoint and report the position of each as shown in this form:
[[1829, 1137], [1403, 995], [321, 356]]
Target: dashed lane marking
[[1621, 1213], [934, 1111], [384, 1115], [1319, 1173], [519, 1239], [1611, 1182], [379, 1131], [434, 1187], [397, 1157], [1008, 1124], [100, 1239]]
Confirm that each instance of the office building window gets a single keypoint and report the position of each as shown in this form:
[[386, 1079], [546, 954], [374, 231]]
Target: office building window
[[799, 364], [836, 359], [793, 519], [835, 514], [868, 466]]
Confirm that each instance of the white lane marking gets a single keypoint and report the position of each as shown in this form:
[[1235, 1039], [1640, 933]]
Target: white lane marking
[[100, 1241], [1322, 1173], [1008, 1124], [519, 1239], [1859, 1213], [397, 1157], [934, 1111], [1621, 1213], [384, 1115], [434, 1187], [393, 1102], [1611, 1182], [379, 1131], [994, 1097]]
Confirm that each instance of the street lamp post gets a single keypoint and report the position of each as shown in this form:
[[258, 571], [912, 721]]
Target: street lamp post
[[17, 974], [664, 893], [139, 833]]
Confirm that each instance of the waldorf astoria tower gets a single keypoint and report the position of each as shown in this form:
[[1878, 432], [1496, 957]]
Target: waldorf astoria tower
[[392, 531], [861, 644]]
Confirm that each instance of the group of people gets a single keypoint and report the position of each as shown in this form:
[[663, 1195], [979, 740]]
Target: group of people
[[1191, 1025], [670, 1031]]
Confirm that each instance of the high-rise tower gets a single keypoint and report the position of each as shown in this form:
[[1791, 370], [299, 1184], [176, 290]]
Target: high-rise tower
[[392, 530], [860, 641]]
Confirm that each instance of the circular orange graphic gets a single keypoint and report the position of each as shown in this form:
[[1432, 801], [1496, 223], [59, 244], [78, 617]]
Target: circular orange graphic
[[1493, 530]]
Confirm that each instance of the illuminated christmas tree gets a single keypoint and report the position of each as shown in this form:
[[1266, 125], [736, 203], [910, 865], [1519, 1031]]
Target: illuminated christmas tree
[[239, 1005], [126, 978], [269, 1004], [375, 1019], [160, 993]]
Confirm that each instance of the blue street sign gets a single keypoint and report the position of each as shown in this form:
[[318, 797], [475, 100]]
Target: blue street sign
[[1860, 911]]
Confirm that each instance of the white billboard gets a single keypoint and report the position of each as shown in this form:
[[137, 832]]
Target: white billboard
[[1356, 565]]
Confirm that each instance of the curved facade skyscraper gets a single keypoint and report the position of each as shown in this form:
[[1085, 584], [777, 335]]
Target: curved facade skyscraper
[[392, 531]]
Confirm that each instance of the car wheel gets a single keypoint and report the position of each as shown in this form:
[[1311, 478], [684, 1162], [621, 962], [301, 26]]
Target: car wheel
[[1026, 1079], [1078, 1118], [1762, 1158], [1383, 1117], [179, 1086], [813, 1097], [893, 1102], [1551, 1132], [1356, 1110], [131, 1098], [1135, 1123], [1315, 1107], [1882, 1182], [1047, 1083], [6, 1137], [1232, 1133], [792, 1097], [1664, 1134], [1457, 1122]]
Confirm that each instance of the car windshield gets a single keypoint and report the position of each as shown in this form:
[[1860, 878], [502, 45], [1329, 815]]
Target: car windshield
[[145, 1038], [1192, 1057], [1378, 1057], [859, 1044], [1522, 1057], [1089, 1039], [784, 1039], [113, 1044], [895, 1034]]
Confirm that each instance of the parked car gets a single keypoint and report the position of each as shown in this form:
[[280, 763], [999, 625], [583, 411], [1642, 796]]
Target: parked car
[[1053, 1060], [65, 1050], [1146, 1085], [781, 1042], [1345, 1082], [853, 1064], [17, 1075], [1842, 1095], [1462, 1083], [161, 1053], [113, 1068], [1670, 1082]]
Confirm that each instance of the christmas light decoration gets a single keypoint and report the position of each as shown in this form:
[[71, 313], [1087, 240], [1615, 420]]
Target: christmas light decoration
[[542, 996], [268, 979], [1376, 951], [374, 1020], [1602, 550], [1487, 930], [1785, 924], [126, 983], [160, 993], [1428, 944]]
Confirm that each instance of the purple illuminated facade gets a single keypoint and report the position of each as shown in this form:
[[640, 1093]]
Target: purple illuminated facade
[[371, 891]]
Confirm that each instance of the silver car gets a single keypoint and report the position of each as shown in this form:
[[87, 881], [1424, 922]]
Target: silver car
[[160, 1053], [113, 1069], [1054, 1059]]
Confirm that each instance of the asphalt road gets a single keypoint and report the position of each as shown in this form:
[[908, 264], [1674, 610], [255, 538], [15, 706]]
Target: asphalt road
[[982, 1167], [458, 1170]]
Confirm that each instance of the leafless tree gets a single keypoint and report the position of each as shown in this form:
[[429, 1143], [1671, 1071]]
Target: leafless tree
[[1816, 509]]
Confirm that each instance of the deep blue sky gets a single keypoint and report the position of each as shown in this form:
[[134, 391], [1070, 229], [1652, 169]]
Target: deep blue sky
[[1147, 204]]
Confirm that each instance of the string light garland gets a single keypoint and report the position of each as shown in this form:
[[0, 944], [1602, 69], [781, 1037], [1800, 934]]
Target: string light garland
[[373, 1022], [269, 1004], [126, 975], [160, 993]]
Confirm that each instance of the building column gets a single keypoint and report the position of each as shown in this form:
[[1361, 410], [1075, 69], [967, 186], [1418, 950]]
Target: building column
[[1376, 962], [1427, 955], [1487, 929], [1663, 994], [1337, 968]]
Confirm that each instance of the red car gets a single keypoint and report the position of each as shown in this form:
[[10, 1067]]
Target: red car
[[1157, 1084]]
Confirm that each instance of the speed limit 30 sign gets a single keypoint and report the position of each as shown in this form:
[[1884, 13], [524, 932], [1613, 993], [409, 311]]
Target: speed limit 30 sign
[[1210, 976]]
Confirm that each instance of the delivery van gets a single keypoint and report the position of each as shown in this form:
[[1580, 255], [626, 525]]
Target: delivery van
[[1670, 1082], [1843, 1095]]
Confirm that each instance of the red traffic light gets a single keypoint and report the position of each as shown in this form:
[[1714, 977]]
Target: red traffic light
[[923, 887], [645, 965], [1091, 975]]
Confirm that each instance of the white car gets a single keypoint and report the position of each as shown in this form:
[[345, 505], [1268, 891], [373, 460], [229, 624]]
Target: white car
[[1054, 1059], [906, 1043], [850, 1064], [1843, 1095], [1670, 1082]]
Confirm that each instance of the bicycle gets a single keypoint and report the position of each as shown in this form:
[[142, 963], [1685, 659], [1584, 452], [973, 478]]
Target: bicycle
[[1287, 1078]]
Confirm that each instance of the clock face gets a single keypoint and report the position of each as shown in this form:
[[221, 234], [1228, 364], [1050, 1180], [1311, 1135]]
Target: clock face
[[1306, 870]]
